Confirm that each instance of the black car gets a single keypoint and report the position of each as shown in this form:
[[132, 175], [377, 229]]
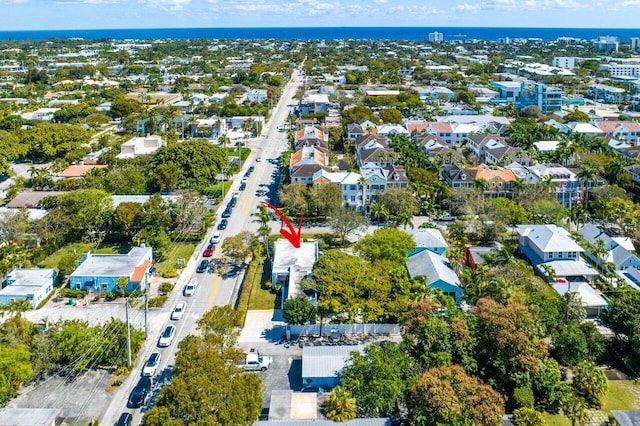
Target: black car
[[251, 169], [125, 419], [140, 394], [242, 187], [223, 224], [226, 212], [202, 267]]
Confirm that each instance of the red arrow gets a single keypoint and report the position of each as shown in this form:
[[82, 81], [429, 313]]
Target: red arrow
[[291, 234]]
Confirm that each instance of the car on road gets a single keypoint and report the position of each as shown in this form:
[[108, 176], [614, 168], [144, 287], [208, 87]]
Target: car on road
[[261, 192], [243, 186], [202, 267], [227, 212], [215, 239], [258, 159], [251, 169], [208, 252], [140, 394], [125, 419], [244, 180], [191, 286], [178, 310], [167, 336], [232, 203], [151, 366], [223, 224]]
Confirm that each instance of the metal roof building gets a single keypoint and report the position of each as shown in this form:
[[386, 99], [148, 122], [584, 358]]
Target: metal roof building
[[322, 365]]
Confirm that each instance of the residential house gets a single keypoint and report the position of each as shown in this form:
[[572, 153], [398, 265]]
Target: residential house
[[33, 284], [138, 146], [257, 95], [553, 253], [312, 103], [625, 131], [322, 365], [354, 130], [370, 141], [587, 129], [307, 155], [312, 136], [620, 250], [498, 180], [348, 182], [453, 133], [392, 129], [437, 272], [79, 170], [568, 188], [290, 265], [505, 155], [209, 128], [416, 126], [633, 171], [100, 272], [428, 239], [606, 94], [592, 301], [475, 255]]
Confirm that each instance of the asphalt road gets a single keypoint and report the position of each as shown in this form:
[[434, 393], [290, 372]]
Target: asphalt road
[[214, 289]]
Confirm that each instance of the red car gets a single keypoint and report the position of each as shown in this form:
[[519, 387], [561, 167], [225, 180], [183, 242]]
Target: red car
[[209, 250]]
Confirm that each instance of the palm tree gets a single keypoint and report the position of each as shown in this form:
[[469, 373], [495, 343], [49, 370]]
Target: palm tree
[[363, 183], [575, 408], [599, 252], [262, 217], [578, 214], [404, 219], [340, 406], [587, 174], [379, 211], [481, 185]]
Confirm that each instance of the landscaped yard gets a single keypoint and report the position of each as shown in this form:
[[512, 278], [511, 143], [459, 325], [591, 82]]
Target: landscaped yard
[[53, 260], [178, 251], [261, 296], [620, 396]]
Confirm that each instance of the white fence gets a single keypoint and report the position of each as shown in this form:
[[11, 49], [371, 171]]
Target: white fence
[[341, 329]]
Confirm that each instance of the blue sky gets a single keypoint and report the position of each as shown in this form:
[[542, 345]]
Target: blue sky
[[103, 14]]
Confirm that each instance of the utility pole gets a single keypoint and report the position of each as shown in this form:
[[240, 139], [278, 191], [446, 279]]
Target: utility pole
[[126, 311], [146, 313]]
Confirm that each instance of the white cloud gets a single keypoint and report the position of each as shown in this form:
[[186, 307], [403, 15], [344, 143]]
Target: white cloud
[[167, 5]]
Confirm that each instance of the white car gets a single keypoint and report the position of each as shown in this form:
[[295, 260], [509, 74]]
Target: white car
[[167, 336], [244, 180], [151, 366], [191, 286], [216, 237], [178, 310]]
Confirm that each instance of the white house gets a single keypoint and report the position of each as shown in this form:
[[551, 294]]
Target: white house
[[257, 95], [553, 252], [138, 146], [290, 265], [592, 302], [33, 284], [620, 250], [349, 183]]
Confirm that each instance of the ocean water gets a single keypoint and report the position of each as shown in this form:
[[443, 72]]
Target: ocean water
[[325, 33]]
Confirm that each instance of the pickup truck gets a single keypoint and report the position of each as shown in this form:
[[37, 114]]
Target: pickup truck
[[256, 362]]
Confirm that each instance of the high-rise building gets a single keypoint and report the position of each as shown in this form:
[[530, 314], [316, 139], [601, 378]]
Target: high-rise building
[[634, 43], [436, 37]]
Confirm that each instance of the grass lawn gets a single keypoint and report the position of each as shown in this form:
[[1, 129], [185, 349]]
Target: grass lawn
[[620, 396], [53, 260], [179, 251], [114, 248], [244, 153], [262, 297]]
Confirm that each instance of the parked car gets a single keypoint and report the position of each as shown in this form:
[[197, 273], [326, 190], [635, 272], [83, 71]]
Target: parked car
[[232, 203], [191, 286], [151, 366], [167, 336], [215, 239], [202, 267], [223, 224], [243, 186], [251, 168], [244, 180], [140, 394], [125, 419], [208, 252], [178, 310], [227, 212]]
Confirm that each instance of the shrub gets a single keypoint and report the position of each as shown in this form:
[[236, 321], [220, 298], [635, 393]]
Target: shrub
[[166, 287], [157, 302], [68, 292], [523, 397], [170, 273]]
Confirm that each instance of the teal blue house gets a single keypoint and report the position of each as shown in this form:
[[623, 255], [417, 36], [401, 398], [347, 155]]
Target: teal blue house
[[99, 273], [437, 272], [428, 239]]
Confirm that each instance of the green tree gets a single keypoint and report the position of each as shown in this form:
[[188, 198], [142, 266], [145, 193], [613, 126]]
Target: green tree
[[166, 176], [589, 382], [238, 246], [577, 115], [340, 406], [344, 221], [378, 378], [15, 369], [219, 328], [570, 345], [298, 310], [325, 199], [124, 219], [527, 417], [390, 115], [444, 395], [264, 231], [387, 244], [576, 409], [546, 385], [294, 199], [398, 201]]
